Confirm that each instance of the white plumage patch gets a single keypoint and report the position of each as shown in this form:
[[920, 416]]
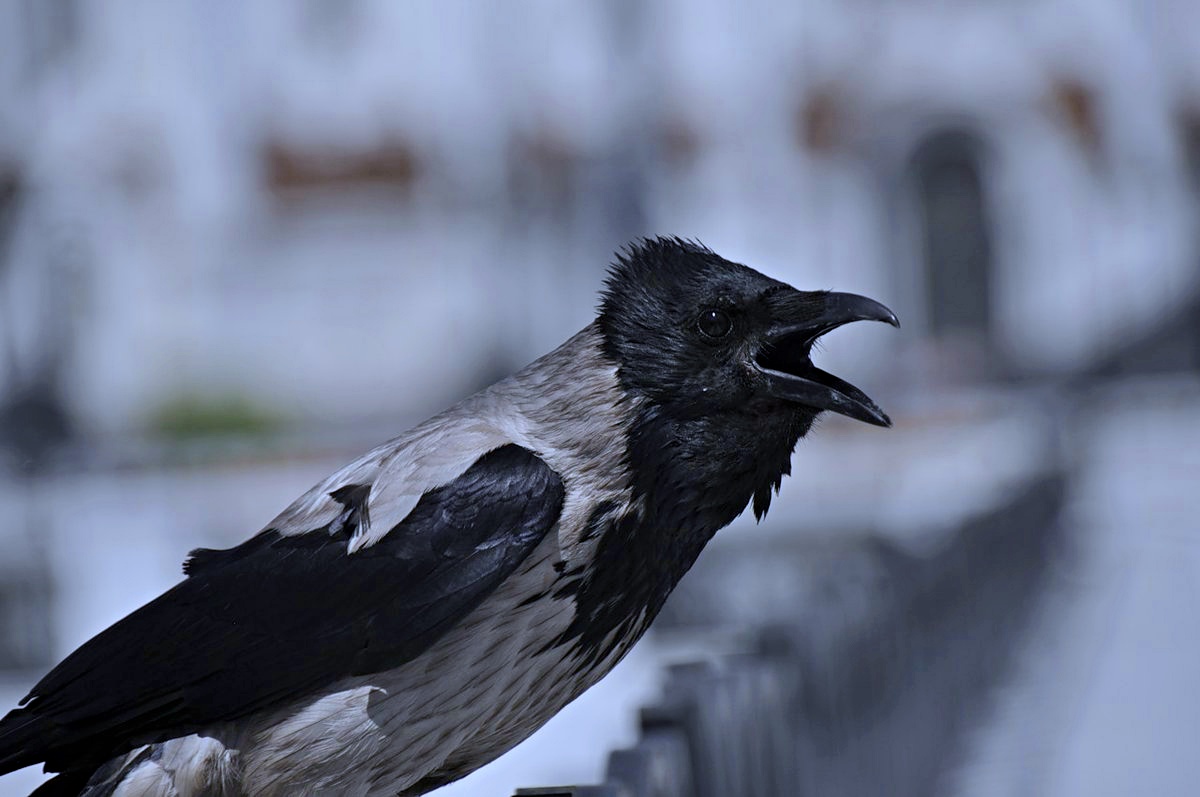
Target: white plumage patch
[[190, 766]]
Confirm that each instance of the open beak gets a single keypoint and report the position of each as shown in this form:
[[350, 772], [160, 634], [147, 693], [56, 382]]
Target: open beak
[[784, 360]]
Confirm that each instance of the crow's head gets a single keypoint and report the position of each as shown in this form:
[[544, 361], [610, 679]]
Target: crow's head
[[700, 336], [715, 358]]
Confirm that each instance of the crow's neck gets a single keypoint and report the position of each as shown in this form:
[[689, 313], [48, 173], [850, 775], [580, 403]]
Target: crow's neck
[[690, 478]]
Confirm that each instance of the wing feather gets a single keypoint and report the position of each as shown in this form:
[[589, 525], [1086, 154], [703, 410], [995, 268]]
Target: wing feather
[[283, 614]]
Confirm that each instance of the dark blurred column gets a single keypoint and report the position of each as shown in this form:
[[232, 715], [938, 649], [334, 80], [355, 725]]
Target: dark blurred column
[[32, 423], [955, 233], [33, 416], [947, 182], [1191, 150], [1191, 313]]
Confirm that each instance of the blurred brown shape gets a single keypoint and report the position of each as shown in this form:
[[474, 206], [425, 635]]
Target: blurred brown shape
[[679, 141], [1075, 103], [291, 169], [819, 120]]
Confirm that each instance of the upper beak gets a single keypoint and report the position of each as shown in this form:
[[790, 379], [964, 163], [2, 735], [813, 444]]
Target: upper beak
[[784, 360]]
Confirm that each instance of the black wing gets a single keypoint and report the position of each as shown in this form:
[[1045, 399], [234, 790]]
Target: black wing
[[281, 615]]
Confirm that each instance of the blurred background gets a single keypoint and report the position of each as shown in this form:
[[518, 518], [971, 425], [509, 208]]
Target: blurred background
[[240, 243]]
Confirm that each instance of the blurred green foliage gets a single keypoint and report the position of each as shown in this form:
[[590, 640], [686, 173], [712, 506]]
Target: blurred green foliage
[[194, 417]]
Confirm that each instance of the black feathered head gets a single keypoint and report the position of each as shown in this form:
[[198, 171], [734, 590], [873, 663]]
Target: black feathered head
[[714, 359], [697, 334]]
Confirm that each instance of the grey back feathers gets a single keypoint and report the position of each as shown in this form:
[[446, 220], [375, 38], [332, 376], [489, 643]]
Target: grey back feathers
[[566, 407]]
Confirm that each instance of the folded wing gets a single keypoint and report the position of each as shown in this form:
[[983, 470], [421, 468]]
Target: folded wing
[[284, 614]]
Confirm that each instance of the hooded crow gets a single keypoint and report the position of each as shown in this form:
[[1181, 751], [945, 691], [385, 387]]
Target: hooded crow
[[433, 603]]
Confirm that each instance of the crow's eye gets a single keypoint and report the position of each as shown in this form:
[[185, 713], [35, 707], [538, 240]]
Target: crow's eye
[[714, 323]]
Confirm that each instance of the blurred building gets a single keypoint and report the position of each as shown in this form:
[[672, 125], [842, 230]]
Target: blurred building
[[231, 217], [222, 198]]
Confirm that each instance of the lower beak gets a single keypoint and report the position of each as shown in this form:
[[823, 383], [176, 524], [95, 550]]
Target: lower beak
[[785, 363]]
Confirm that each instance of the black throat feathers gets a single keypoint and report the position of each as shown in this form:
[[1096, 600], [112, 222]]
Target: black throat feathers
[[690, 477]]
